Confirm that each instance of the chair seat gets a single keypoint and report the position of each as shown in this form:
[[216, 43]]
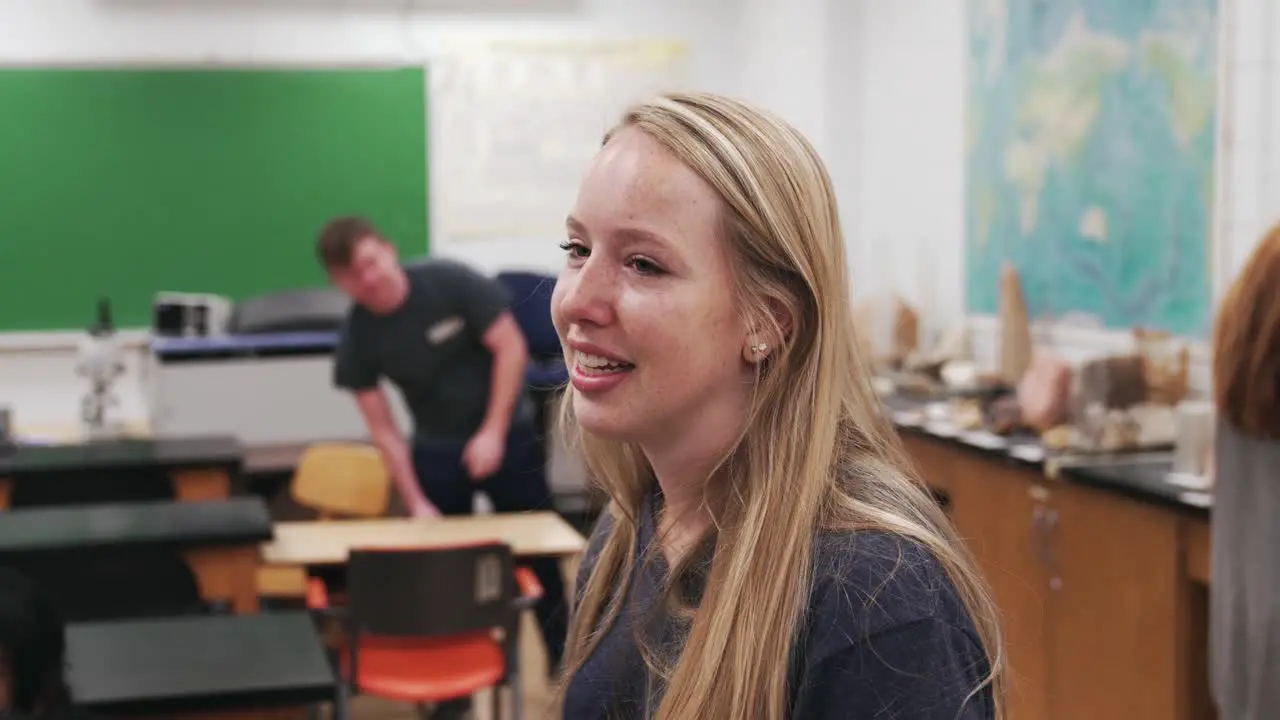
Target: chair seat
[[428, 670]]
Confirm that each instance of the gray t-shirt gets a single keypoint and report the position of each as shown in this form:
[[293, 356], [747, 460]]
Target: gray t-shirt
[[430, 348], [1244, 597]]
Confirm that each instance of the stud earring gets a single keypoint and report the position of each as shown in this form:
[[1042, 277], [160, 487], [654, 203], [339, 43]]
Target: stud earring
[[760, 348]]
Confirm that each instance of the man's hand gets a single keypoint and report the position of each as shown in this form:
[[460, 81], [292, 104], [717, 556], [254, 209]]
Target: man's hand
[[483, 454], [423, 509]]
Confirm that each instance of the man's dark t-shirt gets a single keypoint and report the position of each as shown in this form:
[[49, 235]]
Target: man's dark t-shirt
[[430, 348], [886, 637]]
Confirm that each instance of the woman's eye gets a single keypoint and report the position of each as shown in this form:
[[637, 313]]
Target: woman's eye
[[575, 249], [645, 266]]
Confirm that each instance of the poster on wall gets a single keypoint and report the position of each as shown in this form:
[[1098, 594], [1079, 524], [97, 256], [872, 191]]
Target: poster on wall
[[516, 123], [1090, 158]]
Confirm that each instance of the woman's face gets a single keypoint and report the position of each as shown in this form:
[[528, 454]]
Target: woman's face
[[645, 305]]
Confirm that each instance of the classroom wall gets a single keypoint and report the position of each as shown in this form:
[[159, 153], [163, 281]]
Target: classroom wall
[[878, 86], [908, 231], [769, 51], [344, 33]]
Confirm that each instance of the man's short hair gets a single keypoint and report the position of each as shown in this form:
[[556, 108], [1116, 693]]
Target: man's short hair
[[339, 237]]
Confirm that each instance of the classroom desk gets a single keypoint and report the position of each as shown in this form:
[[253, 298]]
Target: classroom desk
[[219, 540], [210, 664], [73, 434], [200, 468], [318, 543]]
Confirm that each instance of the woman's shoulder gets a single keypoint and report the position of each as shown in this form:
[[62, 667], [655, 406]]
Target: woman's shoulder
[[870, 582], [887, 635]]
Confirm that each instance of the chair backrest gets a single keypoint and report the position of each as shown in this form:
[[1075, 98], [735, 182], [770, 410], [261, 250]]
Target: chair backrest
[[417, 592], [531, 305], [348, 479]]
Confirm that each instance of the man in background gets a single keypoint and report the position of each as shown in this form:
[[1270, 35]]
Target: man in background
[[444, 336]]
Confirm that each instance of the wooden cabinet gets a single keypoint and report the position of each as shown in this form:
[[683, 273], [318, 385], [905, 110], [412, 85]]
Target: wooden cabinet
[[1088, 584], [1113, 631], [997, 512]]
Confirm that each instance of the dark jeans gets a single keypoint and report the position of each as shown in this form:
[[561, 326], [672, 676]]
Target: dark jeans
[[519, 485]]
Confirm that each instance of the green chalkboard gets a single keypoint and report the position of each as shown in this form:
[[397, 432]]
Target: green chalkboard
[[121, 183]]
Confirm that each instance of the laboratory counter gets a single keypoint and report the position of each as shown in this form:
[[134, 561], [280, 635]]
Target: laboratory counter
[[1099, 566]]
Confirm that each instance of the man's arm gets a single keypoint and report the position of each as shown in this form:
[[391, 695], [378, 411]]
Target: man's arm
[[504, 339], [395, 450], [357, 370]]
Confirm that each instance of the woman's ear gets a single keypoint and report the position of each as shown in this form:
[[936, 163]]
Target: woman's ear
[[765, 337], [783, 316]]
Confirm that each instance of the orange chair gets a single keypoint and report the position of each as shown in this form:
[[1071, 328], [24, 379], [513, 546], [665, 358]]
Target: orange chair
[[427, 625]]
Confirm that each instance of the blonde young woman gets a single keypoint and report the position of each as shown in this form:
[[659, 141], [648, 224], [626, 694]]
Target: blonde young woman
[[767, 553]]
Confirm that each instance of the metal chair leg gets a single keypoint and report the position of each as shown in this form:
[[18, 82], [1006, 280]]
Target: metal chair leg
[[517, 694], [341, 711]]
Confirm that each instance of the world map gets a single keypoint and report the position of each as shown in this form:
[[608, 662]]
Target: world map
[[1090, 158]]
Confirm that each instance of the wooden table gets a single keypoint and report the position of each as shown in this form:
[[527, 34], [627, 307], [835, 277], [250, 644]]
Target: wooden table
[[208, 664], [73, 434], [219, 540], [200, 468], [319, 543]]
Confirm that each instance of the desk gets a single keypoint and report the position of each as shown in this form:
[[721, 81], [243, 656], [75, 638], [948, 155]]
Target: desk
[[218, 539], [73, 434], [199, 467], [175, 666], [320, 543]]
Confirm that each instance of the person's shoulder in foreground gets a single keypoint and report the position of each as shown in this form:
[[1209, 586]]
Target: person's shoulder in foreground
[[887, 636]]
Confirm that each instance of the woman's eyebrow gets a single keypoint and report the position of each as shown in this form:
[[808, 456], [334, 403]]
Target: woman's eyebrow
[[629, 234]]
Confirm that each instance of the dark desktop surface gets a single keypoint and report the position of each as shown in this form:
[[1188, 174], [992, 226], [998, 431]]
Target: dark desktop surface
[[183, 524], [198, 664], [189, 453]]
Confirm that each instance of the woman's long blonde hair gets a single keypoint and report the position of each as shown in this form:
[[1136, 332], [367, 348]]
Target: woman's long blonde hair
[[816, 452]]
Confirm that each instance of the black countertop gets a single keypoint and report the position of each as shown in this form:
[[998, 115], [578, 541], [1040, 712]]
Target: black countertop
[[187, 453], [1143, 477], [198, 664], [1146, 479], [146, 524]]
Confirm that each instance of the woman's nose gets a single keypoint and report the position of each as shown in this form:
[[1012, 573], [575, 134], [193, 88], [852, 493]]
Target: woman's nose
[[585, 295]]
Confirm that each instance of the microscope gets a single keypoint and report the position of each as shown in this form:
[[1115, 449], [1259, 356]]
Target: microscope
[[100, 359]]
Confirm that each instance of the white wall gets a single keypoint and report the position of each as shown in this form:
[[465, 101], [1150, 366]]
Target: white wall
[[1251, 91], [907, 228]]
